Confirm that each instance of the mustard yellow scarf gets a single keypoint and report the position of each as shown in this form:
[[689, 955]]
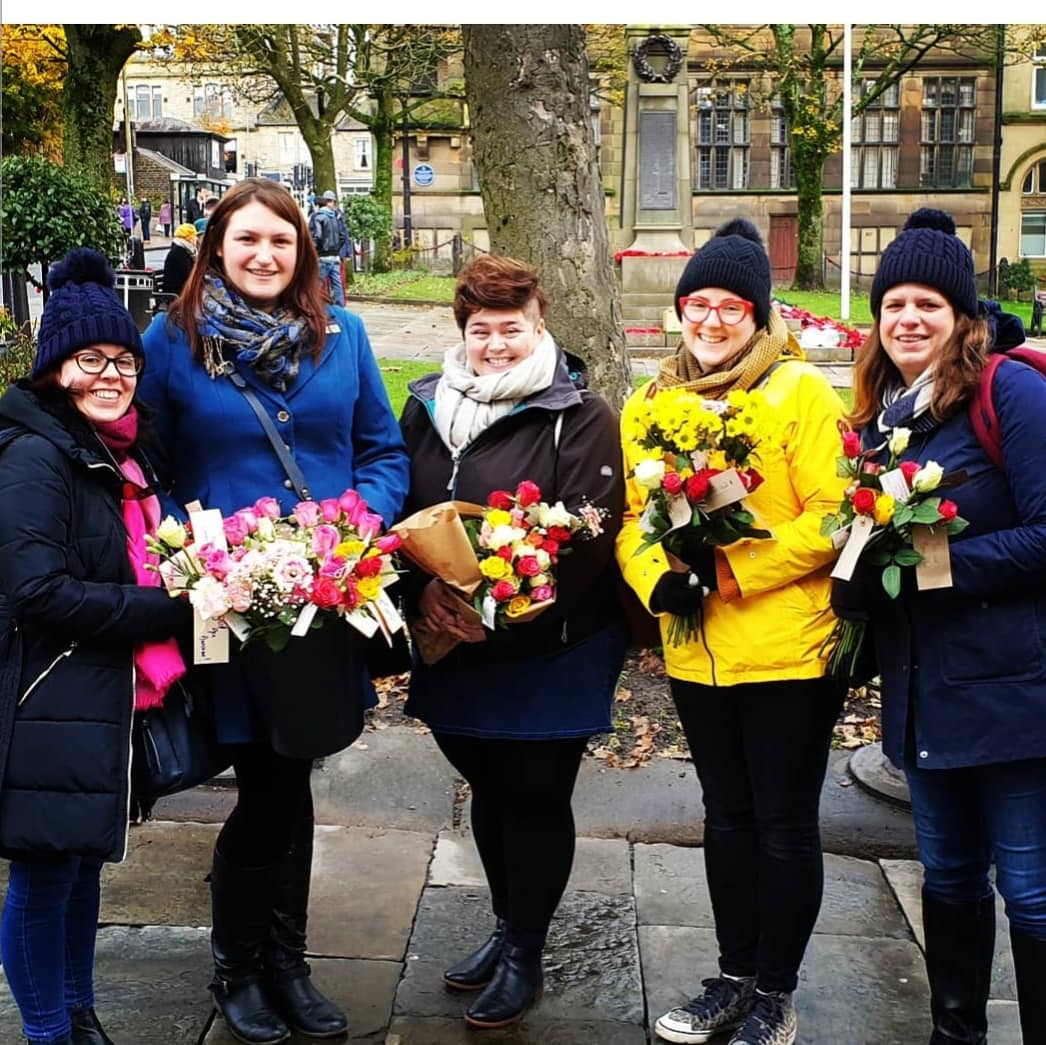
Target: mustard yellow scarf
[[766, 346]]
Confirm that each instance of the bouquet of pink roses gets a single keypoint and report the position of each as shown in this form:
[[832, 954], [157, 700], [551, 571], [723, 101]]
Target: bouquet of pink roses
[[271, 577]]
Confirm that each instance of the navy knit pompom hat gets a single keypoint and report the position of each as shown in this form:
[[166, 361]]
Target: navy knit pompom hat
[[82, 310], [735, 260], [929, 252]]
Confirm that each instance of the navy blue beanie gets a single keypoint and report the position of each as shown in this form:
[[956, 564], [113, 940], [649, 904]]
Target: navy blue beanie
[[82, 310], [735, 260], [928, 251]]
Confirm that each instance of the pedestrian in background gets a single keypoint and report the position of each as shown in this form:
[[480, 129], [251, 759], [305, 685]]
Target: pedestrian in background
[[127, 216], [165, 217], [253, 309], [963, 668], [329, 242], [512, 709], [177, 266], [145, 212], [751, 689], [88, 638]]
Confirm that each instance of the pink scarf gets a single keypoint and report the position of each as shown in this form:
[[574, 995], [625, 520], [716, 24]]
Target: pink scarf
[[157, 664]]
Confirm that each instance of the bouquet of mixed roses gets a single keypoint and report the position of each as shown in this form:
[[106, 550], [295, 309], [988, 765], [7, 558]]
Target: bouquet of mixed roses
[[892, 516], [695, 460], [500, 557], [270, 577]]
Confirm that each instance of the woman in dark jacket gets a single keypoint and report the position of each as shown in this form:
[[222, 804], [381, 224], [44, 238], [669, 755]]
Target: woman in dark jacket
[[87, 633], [512, 709], [963, 668], [253, 320], [177, 266]]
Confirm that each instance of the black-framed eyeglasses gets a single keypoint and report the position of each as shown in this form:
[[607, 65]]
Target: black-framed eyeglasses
[[95, 363], [730, 311]]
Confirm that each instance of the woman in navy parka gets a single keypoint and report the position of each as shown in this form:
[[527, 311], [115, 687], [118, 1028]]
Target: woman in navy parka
[[254, 306], [963, 668]]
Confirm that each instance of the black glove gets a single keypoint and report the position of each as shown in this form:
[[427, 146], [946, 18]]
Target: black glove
[[853, 599], [678, 593]]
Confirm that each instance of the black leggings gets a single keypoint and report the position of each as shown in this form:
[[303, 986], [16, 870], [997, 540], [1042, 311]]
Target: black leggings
[[274, 806], [760, 751], [522, 823]]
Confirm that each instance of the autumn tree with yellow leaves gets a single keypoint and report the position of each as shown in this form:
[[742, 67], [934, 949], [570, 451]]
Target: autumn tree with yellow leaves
[[33, 74]]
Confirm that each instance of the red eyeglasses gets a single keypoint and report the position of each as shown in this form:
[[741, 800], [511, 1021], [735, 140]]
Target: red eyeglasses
[[731, 311]]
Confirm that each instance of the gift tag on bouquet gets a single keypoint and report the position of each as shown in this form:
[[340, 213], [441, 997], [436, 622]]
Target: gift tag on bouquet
[[935, 570], [304, 621], [895, 484], [489, 612], [390, 617], [860, 531], [210, 641], [207, 527], [724, 489], [362, 622]]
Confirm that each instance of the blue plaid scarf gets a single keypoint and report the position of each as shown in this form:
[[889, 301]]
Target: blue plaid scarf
[[269, 342]]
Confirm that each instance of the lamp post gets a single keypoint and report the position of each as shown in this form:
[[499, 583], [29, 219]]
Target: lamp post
[[408, 232]]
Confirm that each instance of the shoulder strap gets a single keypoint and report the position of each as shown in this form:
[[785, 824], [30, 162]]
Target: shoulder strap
[[983, 417], [290, 466]]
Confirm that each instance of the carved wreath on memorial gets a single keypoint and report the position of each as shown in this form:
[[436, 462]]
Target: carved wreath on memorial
[[658, 44]]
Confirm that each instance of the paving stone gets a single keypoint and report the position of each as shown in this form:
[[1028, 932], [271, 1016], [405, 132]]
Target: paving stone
[[150, 983], [906, 879], [873, 993], [591, 963], [365, 889], [162, 881], [362, 989], [409, 1030], [671, 887], [398, 780], [601, 865], [858, 902]]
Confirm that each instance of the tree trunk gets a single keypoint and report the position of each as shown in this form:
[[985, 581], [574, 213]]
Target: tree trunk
[[96, 54], [321, 149], [382, 128], [528, 94], [809, 269]]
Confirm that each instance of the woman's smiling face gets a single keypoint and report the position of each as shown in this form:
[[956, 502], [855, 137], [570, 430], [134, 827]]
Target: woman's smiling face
[[710, 341], [496, 340], [104, 396], [915, 324], [259, 253]]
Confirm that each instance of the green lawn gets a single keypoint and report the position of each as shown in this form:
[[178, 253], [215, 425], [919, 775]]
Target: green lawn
[[398, 373]]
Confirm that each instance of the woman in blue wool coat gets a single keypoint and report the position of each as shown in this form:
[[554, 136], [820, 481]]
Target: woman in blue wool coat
[[254, 309], [963, 668]]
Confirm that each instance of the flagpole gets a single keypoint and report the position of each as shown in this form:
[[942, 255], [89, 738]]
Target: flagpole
[[844, 250]]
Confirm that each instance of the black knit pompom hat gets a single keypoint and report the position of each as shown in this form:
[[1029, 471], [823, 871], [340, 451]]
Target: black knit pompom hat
[[928, 252], [82, 310], [735, 260]]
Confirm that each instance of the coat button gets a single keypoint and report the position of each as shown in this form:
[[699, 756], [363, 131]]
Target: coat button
[[288, 484], [283, 416], [924, 754], [752, 555]]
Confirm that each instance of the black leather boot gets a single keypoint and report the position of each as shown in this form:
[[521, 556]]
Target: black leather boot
[[87, 1030], [240, 908], [1029, 965], [287, 974], [474, 972], [517, 983], [960, 943]]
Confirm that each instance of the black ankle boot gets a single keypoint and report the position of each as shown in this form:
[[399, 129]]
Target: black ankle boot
[[240, 910], [960, 943], [516, 984], [287, 973], [87, 1030], [1029, 966], [474, 972]]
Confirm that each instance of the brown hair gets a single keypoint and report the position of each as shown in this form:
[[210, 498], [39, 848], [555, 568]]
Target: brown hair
[[305, 294], [956, 374], [493, 281]]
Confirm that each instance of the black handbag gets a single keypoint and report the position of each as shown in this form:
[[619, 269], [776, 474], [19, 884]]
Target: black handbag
[[173, 747], [382, 659]]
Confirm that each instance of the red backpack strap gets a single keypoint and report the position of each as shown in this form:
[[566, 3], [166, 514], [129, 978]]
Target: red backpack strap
[[983, 417]]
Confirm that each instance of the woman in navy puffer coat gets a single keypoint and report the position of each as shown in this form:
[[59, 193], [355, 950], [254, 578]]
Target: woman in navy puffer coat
[[85, 637], [963, 668]]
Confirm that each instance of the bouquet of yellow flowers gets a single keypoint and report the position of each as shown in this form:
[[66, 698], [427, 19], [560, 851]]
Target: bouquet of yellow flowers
[[694, 457]]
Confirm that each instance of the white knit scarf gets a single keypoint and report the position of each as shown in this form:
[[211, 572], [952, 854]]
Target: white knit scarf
[[467, 403]]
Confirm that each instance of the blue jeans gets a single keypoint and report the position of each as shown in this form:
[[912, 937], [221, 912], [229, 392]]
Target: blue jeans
[[330, 276], [47, 939], [966, 819]]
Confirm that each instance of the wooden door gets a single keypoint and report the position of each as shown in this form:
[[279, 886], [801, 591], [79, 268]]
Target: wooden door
[[784, 248]]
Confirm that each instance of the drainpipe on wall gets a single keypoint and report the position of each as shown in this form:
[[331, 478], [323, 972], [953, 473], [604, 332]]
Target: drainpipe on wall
[[993, 245]]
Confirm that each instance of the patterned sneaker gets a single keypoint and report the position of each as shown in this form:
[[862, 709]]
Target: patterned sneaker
[[771, 1021], [722, 1005]]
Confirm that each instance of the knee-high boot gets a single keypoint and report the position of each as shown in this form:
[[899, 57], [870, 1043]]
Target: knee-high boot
[[288, 977], [241, 903], [1029, 963], [960, 943]]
